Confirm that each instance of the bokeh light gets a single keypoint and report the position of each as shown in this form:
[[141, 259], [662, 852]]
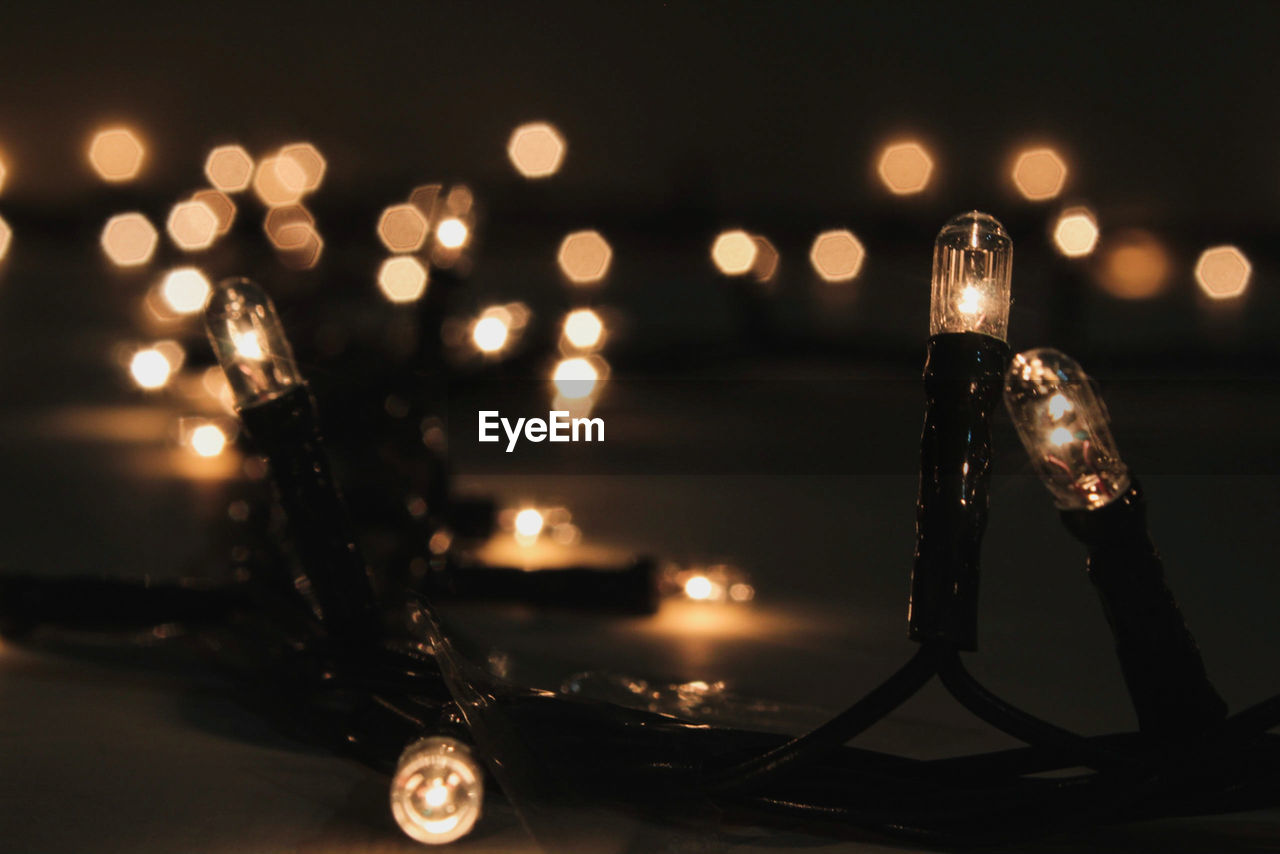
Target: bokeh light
[[767, 259], [452, 233], [4, 173], [490, 331], [1076, 232], [575, 378], [425, 198], [221, 205], [116, 154], [837, 255], [583, 329], [734, 252], [402, 279], [150, 369], [1134, 265], [279, 181], [192, 225], [185, 290], [536, 150], [1223, 272], [208, 440], [299, 245], [905, 167], [310, 164], [129, 239], [403, 228], [6, 237], [229, 168], [529, 523], [1039, 174], [584, 257], [281, 226]]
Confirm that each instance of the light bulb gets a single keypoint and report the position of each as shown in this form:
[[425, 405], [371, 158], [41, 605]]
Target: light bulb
[[438, 790], [972, 259], [250, 343], [1065, 428]]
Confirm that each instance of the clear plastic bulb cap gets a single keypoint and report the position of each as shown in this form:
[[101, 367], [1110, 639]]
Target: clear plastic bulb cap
[[972, 264], [250, 343], [437, 791], [1065, 428]]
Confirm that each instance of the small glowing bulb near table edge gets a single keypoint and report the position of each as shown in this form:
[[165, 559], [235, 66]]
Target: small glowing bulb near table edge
[[250, 342], [438, 790], [1064, 427]]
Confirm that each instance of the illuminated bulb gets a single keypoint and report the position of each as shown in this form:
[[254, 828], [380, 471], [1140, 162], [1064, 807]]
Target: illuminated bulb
[[583, 328], [575, 378], [529, 523], [250, 343], [1065, 429], [489, 333], [185, 290], [437, 791], [971, 267], [150, 369], [208, 440], [699, 588], [451, 232]]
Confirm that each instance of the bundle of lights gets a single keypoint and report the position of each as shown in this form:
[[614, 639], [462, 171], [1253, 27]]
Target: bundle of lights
[[379, 678]]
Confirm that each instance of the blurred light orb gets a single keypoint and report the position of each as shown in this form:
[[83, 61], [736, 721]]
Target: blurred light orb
[[489, 333], [192, 225], [299, 245], [698, 588], [116, 154], [583, 328], [529, 522], [767, 259], [575, 378], [437, 792], [837, 255], [6, 237], [185, 290], [536, 150], [584, 257], [1076, 232], [281, 226], [4, 173], [279, 181], [229, 168], [1039, 174], [734, 252], [129, 239], [150, 369], [308, 166], [425, 198], [1134, 265], [452, 233], [905, 168], [403, 228], [1223, 272], [208, 440], [221, 205], [402, 279]]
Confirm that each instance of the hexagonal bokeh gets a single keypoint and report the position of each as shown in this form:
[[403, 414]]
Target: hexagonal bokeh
[[583, 329], [402, 278], [734, 252], [192, 225], [229, 168], [299, 245], [1223, 272], [6, 237], [1076, 232], [279, 181], [1134, 265], [116, 154], [905, 168], [185, 290], [129, 239], [536, 150], [584, 257], [221, 205], [837, 255], [1039, 174], [278, 222], [403, 228], [426, 198], [310, 162]]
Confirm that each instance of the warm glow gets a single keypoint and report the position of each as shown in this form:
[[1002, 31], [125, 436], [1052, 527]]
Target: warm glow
[[1223, 272], [767, 258], [528, 523], [1134, 265], [281, 226], [208, 440], [129, 239], [150, 369], [699, 588], [905, 168], [403, 228], [116, 154], [185, 290], [452, 233], [1039, 174], [1060, 436], [583, 328], [970, 301], [837, 256], [402, 279], [6, 237], [490, 333], [425, 198], [734, 253], [279, 181], [221, 205], [300, 245], [229, 168], [536, 150], [584, 257], [1076, 232], [4, 173], [575, 378], [310, 166], [1059, 406], [192, 225]]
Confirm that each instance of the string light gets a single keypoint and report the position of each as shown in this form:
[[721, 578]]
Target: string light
[[438, 790], [250, 343], [972, 259]]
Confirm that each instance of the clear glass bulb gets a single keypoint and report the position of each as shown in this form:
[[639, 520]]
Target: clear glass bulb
[[250, 343], [972, 263], [438, 790], [1065, 428]]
